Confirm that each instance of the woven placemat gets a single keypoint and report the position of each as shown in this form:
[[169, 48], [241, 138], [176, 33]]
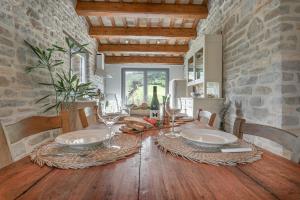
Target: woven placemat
[[181, 147], [56, 155]]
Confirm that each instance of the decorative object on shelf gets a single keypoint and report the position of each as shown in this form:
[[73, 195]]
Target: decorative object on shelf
[[180, 147], [223, 114], [61, 156], [194, 92], [195, 95], [66, 86]]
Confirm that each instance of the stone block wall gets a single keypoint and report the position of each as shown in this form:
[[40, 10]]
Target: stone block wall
[[290, 65], [42, 23], [261, 41]]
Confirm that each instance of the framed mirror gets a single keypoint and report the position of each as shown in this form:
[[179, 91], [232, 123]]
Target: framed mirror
[[80, 62]]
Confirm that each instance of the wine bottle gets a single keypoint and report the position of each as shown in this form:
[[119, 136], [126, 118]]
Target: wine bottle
[[154, 108]]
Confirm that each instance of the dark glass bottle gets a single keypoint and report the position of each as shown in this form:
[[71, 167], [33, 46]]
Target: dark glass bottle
[[154, 107]]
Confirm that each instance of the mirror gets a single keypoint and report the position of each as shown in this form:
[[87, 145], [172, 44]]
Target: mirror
[[80, 62], [79, 65]]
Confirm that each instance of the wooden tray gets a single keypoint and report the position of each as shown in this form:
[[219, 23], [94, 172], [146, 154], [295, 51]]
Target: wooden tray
[[150, 129]]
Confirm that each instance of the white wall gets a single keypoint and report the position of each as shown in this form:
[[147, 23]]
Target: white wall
[[113, 85]]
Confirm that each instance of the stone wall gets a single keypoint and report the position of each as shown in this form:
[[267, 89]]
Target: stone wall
[[260, 60], [290, 65], [42, 23]]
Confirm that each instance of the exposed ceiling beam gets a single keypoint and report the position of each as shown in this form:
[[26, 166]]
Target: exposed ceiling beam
[[143, 48], [143, 32], [145, 10], [143, 59]]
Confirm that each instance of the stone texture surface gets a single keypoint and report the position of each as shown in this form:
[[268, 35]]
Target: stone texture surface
[[261, 60], [42, 23]]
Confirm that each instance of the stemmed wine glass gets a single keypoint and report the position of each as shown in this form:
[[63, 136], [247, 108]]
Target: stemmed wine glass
[[173, 107], [109, 113], [127, 106]]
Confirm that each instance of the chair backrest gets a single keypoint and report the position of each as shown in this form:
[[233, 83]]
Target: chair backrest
[[288, 140], [10, 134], [210, 117], [88, 116], [5, 156]]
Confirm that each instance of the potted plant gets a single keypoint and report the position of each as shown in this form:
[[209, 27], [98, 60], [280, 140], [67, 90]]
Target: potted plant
[[65, 84]]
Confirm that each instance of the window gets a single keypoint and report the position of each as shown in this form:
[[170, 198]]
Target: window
[[137, 84]]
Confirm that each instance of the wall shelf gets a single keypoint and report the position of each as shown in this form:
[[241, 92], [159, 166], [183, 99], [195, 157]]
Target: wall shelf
[[203, 64], [203, 71]]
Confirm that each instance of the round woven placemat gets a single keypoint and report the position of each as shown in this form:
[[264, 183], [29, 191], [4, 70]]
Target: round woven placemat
[[181, 147], [56, 155]]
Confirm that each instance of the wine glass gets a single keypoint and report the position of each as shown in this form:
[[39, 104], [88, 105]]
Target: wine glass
[[128, 106], [173, 107], [109, 112]]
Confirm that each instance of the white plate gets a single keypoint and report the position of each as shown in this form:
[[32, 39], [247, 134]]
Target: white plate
[[83, 138], [208, 137]]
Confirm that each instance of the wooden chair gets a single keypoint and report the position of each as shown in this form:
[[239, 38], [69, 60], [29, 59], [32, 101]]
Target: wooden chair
[[207, 115], [88, 116], [288, 140], [13, 133]]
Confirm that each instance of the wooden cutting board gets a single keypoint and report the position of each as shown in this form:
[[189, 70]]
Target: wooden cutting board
[[129, 130]]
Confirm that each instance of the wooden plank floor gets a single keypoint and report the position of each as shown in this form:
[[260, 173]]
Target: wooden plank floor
[[152, 174]]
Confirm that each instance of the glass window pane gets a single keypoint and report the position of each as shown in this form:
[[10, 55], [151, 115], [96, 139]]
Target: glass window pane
[[134, 87], [158, 78]]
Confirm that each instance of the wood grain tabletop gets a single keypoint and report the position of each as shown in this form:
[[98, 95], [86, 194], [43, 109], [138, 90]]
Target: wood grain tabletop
[[152, 174]]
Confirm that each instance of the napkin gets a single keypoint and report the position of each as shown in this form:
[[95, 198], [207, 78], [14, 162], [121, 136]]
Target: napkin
[[236, 150]]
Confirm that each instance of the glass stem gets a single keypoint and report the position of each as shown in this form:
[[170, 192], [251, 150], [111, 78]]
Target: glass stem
[[110, 134], [173, 119]]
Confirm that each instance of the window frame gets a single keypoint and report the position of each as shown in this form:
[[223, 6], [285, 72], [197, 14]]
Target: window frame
[[145, 71]]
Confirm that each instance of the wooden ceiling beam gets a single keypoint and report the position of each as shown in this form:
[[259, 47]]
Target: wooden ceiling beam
[[143, 59], [145, 10], [143, 48], [143, 32]]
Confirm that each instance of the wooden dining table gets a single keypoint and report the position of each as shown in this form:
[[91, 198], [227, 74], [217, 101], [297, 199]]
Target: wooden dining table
[[153, 174]]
